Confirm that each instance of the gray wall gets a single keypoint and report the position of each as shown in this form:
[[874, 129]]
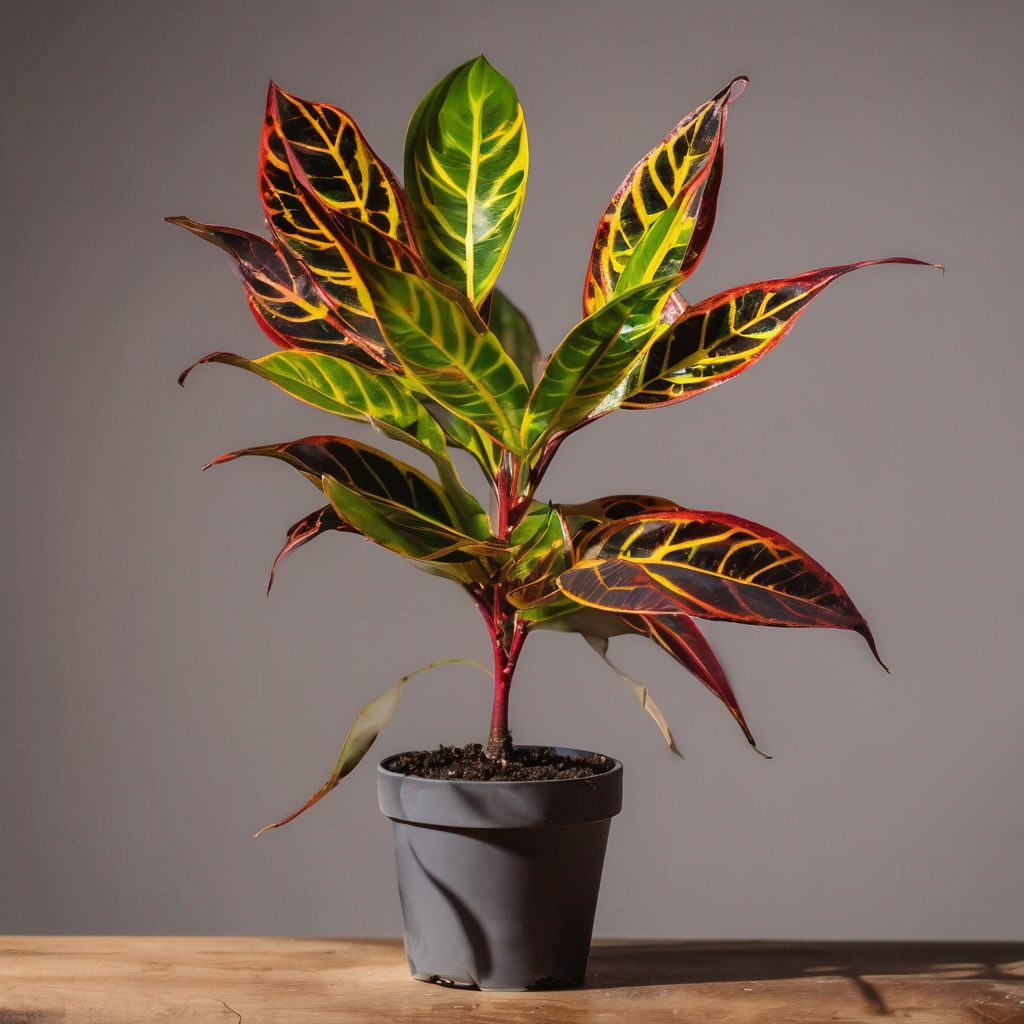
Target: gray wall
[[157, 708]]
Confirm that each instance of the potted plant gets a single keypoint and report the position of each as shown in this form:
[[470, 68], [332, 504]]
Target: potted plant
[[382, 302]]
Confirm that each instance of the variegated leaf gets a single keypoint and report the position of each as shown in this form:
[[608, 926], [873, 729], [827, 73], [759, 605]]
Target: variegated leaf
[[721, 336], [466, 161], [342, 170], [679, 635], [447, 350], [374, 475], [302, 225], [592, 359], [322, 520], [712, 565], [668, 180], [281, 296], [337, 386]]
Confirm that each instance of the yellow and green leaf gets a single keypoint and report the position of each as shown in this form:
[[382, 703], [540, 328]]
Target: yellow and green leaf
[[709, 564], [391, 485], [663, 193], [447, 350], [335, 385], [722, 336], [282, 298], [592, 359], [466, 161]]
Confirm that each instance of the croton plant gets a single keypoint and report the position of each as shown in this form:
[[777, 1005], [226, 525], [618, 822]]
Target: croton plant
[[383, 304]]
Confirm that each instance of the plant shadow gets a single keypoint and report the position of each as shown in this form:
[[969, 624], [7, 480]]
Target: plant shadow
[[630, 963]]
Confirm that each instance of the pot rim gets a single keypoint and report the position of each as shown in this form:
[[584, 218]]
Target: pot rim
[[569, 751]]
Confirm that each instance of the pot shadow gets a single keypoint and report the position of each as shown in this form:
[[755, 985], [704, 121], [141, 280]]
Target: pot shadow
[[630, 963]]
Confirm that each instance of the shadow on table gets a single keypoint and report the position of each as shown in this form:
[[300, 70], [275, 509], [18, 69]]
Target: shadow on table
[[626, 963]]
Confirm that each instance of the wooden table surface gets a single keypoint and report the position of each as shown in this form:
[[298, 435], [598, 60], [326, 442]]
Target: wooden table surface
[[148, 979]]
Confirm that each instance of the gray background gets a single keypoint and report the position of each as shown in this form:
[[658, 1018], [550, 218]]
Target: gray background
[[158, 708]]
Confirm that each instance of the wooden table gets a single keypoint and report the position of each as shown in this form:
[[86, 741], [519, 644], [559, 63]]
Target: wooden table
[[147, 980]]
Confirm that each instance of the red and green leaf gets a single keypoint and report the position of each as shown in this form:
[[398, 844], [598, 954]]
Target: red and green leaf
[[391, 485], [592, 359], [680, 636], [664, 193], [341, 168], [712, 565], [281, 295], [322, 520], [722, 336]]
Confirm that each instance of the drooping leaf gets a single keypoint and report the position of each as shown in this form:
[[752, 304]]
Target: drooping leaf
[[322, 520], [712, 565], [406, 531], [281, 296], [466, 162], [341, 387], [373, 474], [447, 350], [592, 359], [679, 166], [679, 635], [721, 336], [364, 731], [515, 335]]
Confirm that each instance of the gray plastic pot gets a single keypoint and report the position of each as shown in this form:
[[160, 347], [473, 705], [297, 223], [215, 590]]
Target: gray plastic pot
[[499, 880]]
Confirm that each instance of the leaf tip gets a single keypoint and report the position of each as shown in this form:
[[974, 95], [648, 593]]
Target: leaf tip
[[767, 757], [736, 88], [940, 266]]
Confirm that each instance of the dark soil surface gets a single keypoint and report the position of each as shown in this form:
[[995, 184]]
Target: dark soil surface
[[470, 763]]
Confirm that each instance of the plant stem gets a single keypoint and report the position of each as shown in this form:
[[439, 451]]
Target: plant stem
[[506, 631]]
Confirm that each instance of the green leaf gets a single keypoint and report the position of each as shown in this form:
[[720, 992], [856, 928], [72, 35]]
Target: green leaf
[[513, 331], [364, 731], [370, 473], [335, 385], [466, 161], [406, 531], [592, 360], [447, 350]]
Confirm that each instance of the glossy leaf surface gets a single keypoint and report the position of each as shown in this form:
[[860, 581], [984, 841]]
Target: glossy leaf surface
[[668, 180], [322, 520], [680, 636], [466, 161], [342, 170], [337, 386], [364, 731], [712, 565], [372, 474], [592, 359], [280, 294], [721, 336], [509, 325], [447, 350]]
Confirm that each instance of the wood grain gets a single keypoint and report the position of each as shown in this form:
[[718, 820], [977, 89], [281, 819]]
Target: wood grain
[[135, 979]]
